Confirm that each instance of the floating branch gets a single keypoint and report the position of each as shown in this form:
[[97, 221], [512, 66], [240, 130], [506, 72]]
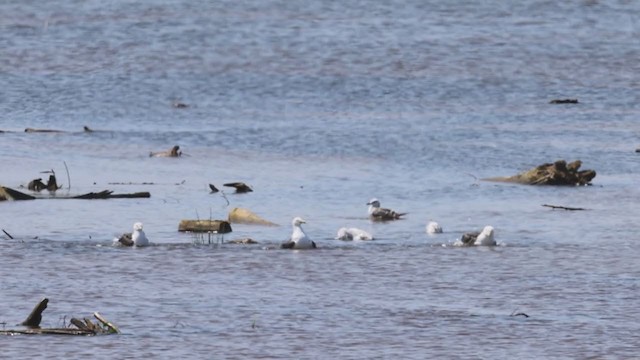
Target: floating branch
[[217, 226], [84, 327], [10, 194], [563, 207], [108, 194]]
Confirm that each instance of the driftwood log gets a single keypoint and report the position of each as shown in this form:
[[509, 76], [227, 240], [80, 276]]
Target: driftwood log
[[108, 194], [245, 216], [216, 226], [557, 173], [84, 327], [11, 194]]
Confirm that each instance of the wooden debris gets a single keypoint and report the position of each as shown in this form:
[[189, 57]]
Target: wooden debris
[[33, 320], [108, 194], [557, 173], [114, 329], [563, 207], [217, 226], [84, 327], [563, 101], [10, 194], [245, 216], [32, 130]]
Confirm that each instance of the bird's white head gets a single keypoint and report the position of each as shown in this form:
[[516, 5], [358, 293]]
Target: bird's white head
[[297, 221], [374, 202], [137, 226], [488, 231]]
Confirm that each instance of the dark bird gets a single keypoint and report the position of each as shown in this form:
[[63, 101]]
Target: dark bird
[[213, 188], [381, 214], [36, 185], [240, 187]]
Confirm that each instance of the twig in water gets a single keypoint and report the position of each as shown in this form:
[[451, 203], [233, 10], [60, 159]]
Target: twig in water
[[562, 207], [9, 235], [517, 313], [68, 177], [225, 197]]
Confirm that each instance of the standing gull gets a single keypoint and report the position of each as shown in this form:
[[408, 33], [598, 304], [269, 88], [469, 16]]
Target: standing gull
[[482, 238], [137, 238], [299, 240], [381, 214]]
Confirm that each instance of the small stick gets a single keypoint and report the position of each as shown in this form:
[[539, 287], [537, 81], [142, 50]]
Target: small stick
[[68, 177], [9, 235], [563, 207]]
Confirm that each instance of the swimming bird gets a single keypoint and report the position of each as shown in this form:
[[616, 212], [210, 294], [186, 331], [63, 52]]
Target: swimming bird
[[299, 240], [353, 234], [482, 238], [381, 214], [137, 238], [433, 228], [213, 188], [240, 187], [174, 152]]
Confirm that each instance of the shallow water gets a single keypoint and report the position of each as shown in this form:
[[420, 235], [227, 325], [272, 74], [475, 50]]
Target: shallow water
[[321, 106]]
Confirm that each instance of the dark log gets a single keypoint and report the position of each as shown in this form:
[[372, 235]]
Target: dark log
[[217, 226], [108, 194], [33, 320], [49, 331], [83, 327], [563, 207], [563, 101], [32, 130], [10, 194], [557, 173]]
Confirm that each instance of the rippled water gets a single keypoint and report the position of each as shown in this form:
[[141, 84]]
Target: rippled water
[[321, 106]]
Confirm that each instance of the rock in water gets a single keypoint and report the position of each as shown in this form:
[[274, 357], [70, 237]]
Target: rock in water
[[557, 173]]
